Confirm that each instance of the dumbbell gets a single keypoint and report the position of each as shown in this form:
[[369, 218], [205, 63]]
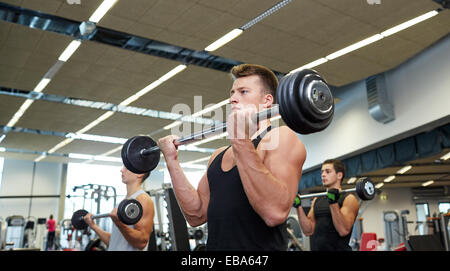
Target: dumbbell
[[129, 212]]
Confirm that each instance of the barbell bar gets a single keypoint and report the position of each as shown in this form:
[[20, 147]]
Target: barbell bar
[[364, 188], [305, 103]]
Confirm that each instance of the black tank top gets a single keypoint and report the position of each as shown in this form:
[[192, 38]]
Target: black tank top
[[232, 222], [325, 237]]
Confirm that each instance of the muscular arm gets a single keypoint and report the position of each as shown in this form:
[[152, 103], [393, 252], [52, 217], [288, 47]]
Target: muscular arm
[[271, 185], [194, 203], [344, 217], [307, 223], [139, 236]]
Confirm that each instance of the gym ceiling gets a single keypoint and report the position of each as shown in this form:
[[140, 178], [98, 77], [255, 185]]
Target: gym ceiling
[[298, 33]]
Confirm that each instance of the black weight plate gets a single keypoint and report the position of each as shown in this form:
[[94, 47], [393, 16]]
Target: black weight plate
[[315, 108], [365, 189], [129, 211], [309, 125], [132, 158], [287, 96], [281, 99], [78, 221], [301, 124]]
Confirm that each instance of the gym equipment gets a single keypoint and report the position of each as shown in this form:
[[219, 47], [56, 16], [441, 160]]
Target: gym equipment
[[364, 189], [395, 228], [14, 231], [129, 212], [305, 103], [95, 245], [176, 237], [295, 233]]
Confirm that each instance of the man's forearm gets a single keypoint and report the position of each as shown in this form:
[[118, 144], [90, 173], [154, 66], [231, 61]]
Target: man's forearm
[[134, 237], [187, 195], [305, 222], [103, 235]]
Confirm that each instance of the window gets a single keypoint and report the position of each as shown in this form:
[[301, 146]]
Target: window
[[423, 211], [81, 175], [444, 207]]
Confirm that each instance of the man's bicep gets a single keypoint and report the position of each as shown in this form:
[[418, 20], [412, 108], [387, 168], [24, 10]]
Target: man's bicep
[[286, 162], [146, 222]]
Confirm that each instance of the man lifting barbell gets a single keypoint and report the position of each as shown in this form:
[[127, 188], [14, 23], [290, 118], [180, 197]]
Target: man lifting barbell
[[248, 188], [330, 220], [125, 237]]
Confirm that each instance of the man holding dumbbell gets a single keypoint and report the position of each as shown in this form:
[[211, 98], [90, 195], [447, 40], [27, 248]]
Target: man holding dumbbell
[[128, 237], [248, 188], [330, 219]]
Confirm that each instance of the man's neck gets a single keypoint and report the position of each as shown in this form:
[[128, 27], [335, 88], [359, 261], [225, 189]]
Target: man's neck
[[132, 188]]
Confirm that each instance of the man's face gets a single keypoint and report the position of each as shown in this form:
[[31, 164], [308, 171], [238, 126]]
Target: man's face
[[329, 175], [247, 91], [127, 175]]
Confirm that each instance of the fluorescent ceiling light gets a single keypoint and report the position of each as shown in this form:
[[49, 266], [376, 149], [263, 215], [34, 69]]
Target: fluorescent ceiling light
[[173, 124], [2, 137], [428, 183], [445, 157], [404, 169], [102, 10], [172, 72], [409, 23], [40, 158], [71, 48], [352, 180], [95, 122], [106, 139], [354, 47], [154, 84], [81, 156], [42, 84], [19, 112], [369, 40], [199, 113], [224, 40], [379, 185], [311, 65], [211, 108], [60, 145], [389, 179], [206, 140]]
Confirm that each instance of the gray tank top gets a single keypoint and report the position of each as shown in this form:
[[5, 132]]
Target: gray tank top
[[117, 242]]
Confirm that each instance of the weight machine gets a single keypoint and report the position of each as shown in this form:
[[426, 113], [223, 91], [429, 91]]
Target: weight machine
[[175, 237]]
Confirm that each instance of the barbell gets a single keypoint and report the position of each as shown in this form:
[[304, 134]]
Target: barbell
[[305, 103], [364, 188], [129, 212]]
